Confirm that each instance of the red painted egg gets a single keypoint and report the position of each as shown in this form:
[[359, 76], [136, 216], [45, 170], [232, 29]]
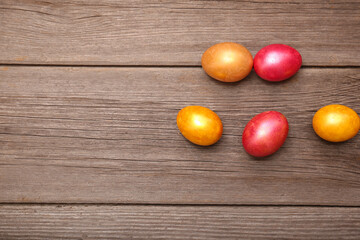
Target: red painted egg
[[265, 133], [277, 62]]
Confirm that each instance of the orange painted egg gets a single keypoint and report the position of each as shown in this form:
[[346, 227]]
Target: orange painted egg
[[199, 125], [227, 62]]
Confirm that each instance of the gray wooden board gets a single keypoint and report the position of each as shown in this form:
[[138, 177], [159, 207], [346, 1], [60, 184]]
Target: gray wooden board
[[33, 222], [109, 135], [109, 32]]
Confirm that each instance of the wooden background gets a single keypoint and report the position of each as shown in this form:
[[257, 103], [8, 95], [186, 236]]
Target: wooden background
[[89, 148]]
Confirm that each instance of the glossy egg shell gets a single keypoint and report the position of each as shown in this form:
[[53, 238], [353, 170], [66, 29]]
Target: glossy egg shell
[[199, 125], [277, 62], [227, 62], [336, 123], [265, 133]]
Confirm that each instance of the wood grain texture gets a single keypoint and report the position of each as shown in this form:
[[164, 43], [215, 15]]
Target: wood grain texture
[[131, 32], [109, 135], [33, 222]]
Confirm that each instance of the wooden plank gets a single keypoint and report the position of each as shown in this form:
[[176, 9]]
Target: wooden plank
[[131, 32], [35, 222], [109, 135]]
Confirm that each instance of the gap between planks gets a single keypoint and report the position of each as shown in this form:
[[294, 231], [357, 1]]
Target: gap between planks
[[177, 205], [146, 66]]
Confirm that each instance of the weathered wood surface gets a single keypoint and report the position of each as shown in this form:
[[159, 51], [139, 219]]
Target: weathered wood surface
[[131, 32], [109, 135], [33, 222]]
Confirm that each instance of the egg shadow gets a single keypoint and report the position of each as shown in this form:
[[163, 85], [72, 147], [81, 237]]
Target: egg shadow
[[229, 84], [201, 147], [259, 159], [292, 79], [334, 144], [266, 158]]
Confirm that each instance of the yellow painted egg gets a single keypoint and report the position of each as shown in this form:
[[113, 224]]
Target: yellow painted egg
[[199, 125], [336, 123]]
